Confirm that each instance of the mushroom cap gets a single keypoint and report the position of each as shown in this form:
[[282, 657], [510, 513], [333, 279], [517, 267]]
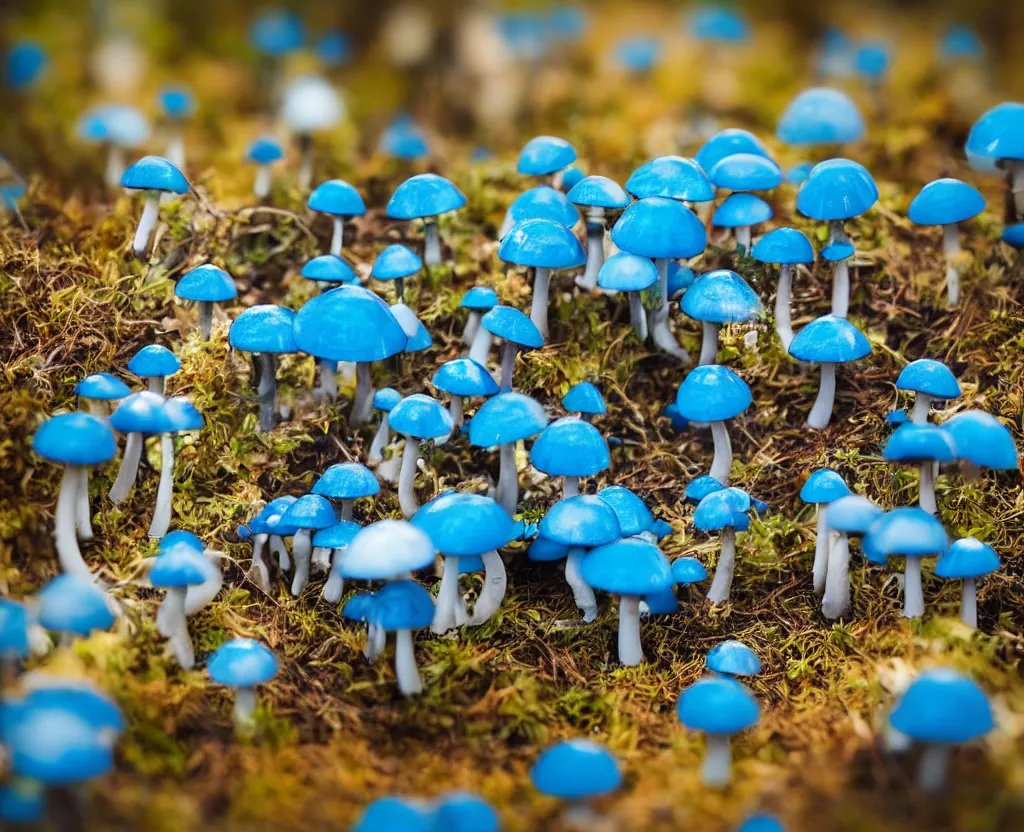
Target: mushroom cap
[[263, 151], [834, 252], [746, 172], [946, 201], [983, 440], [941, 706], [73, 605], [740, 210], [329, 268], [338, 198], [543, 155], [629, 566], [671, 412], [154, 360], [733, 658], [395, 813], [718, 23], [424, 195], [576, 770], [543, 244], [584, 520], [570, 447], [725, 509], [634, 517], [544, 203], [506, 418], [102, 387], [277, 32], [761, 823], [179, 536], [798, 174], [337, 536], [671, 177], [598, 192], [464, 812], [727, 143], [309, 104], [154, 173], [76, 696], [386, 398], [512, 325], [470, 564], [396, 261], [421, 417], [967, 558], [346, 481], [142, 412], [13, 630], [637, 53], [56, 747], [688, 571], [176, 101], [260, 524], [712, 393], [933, 378], [837, 189], [571, 177], [785, 246], [717, 705], [919, 443], [659, 228], [720, 297], [999, 133], [897, 417], [24, 63], [960, 42], [821, 115], [206, 283], [481, 298], [464, 377], [402, 605], [275, 524], [242, 663], [264, 328], [543, 550], [625, 272], [829, 340], [20, 805], [403, 140], [182, 415], [117, 124], [1013, 235], [700, 487], [871, 59], [823, 486], [584, 398], [385, 549], [75, 439], [359, 607], [179, 566], [348, 323], [909, 531], [310, 511], [417, 335], [465, 524]]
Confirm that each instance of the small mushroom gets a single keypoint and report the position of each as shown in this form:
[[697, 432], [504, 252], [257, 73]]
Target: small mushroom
[[821, 488], [742, 173], [545, 156], [462, 378], [266, 331], [982, 441], [914, 534], [788, 248], [100, 387], [740, 212], [175, 570], [727, 143], [243, 664], [576, 771], [671, 177], [584, 398], [714, 394], [403, 140], [828, 340], [383, 400], [761, 823], [14, 639], [967, 560], [517, 331], [180, 415], [200, 595], [478, 300], [139, 415], [570, 448], [72, 605], [464, 812], [307, 514], [688, 571], [426, 196], [700, 487], [178, 106], [340, 201], [723, 511], [417, 417], [335, 48], [720, 707], [717, 298], [333, 539], [630, 273], [396, 813], [1013, 236], [309, 105], [262, 534], [928, 380], [638, 55], [733, 658], [154, 176], [263, 152], [359, 608], [401, 607], [924, 446], [206, 285], [820, 116], [24, 65], [996, 135], [119, 128], [540, 203], [154, 364], [347, 482], [599, 195], [396, 263]]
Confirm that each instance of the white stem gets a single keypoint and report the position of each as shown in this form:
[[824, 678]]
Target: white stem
[[455, 410], [175, 151], [65, 537], [245, 711], [951, 247], [480, 349], [259, 574], [721, 586], [638, 316], [266, 392], [115, 165], [83, 513], [327, 389], [277, 547], [129, 469], [716, 769], [821, 412], [921, 409], [150, 214], [362, 404], [836, 602], [407, 477], [539, 304], [376, 640], [448, 598], [913, 594], [508, 364], [840, 288], [661, 264], [431, 243], [338, 236], [581, 591], [334, 587], [205, 319], [1017, 186], [508, 478], [261, 186], [305, 175], [200, 595], [177, 627], [302, 551], [926, 488], [743, 235], [162, 513], [380, 441], [595, 255], [931, 774], [472, 327], [821, 552], [783, 300], [570, 487], [969, 602], [660, 328], [493, 592], [630, 651], [320, 560], [721, 465], [709, 344], [409, 682]]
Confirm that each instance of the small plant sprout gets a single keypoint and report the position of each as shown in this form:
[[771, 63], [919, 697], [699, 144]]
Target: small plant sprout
[[517, 331], [262, 534], [828, 340], [820, 117], [154, 364], [501, 422], [266, 331], [999, 135], [923, 446], [478, 301], [630, 273], [948, 202], [340, 201], [154, 176], [715, 299], [540, 203], [714, 394], [788, 248], [263, 152], [464, 812], [570, 448], [662, 229], [914, 534], [178, 106], [720, 707], [73, 605], [383, 400], [401, 607], [350, 323], [580, 523], [139, 416], [417, 417], [836, 191], [77, 441], [546, 156], [723, 511], [309, 105], [821, 488], [966, 560], [397, 813], [846, 516], [206, 285], [941, 709], [982, 441], [577, 771], [599, 195], [426, 196], [243, 664], [179, 416], [119, 128], [928, 380], [733, 658], [175, 570], [396, 263], [306, 515], [584, 398], [463, 378], [463, 526], [328, 544]]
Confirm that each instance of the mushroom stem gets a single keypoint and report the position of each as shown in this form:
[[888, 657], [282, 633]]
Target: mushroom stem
[[581, 590], [431, 243], [708, 344], [840, 288], [822, 539], [743, 235], [157, 384], [508, 364], [338, 236], [175, 150], [456, 412], [637, 316], [277, 547], [1017, 185], [931, 772], [446, 610], [630, 651], [129, 469], [320, 560], [162, 513], [199, 595], [376, 638], [177, 627], [407, 477], [258, 573], [302, 552], [480, 349], [472, 327], [334, 586], [836, 602], [926, 488], [913, 594], [661, 332], [115, 165], [721, 586], [305, 175], [380, 440], [508, 478], [362, 404], [721, 465], [205, 319], [539, 303], [346, 511], [266, 392], [951, 247], [493, 592], [245, 711], [150, 214], [65, 538], [83, 512], [409, 682], [783, 300], [969, 602], [716, 769], [327, 388], [922, 408], [595, 249], [261, 186], [821, 412], [570, 487]]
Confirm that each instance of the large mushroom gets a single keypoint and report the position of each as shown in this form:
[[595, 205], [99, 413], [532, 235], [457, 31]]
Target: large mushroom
[[714, 394], [266, 331], [715, 299], [417, 417], [570, 448], [518, 333], [828, 340]]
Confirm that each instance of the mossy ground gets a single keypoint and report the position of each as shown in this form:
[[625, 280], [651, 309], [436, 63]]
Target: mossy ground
[[334, 731]]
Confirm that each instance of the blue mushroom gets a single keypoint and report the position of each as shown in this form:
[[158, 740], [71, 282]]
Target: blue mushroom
[[725, 512], [154, 176], [637, 54], [329, 269], [277, 32], [73, 606], [462, 378], [924, 446], [263, 152], [540, 203], [478, 300], [517, 331], [425, 196], [822, 487], [403, 140], [154, 363], [714, 394], [798, 174], [576, 771], [828, 340], [718, 23], [359, 608], [720, 707], [728, 142], [306, 515], [1013, 235], [262, 533], [383, 400], [545, 156], [119, 128], [961, 43], [24, 64], [761, 823], [180, 416], [416, 417], [850, 515], [820, 116], [340, 201], [417, 337], [401, 607], [685, 572], [395, 813], [335, 48], [998, 135], [741, 211], [633, 274], [672, 177], [570, 448], [309, 104], [740, 173], [966, 560], [387, 550], [635, 519], [788, 248], [176, 569], [700, 487], [328, 544], [914, 534], [982, 441], [396, 262], [266, 331], [206, 285], [733, 658], [178, 106], [464, 812], [928, 380], [242, 664], [717, 298], [599, 195], [584, 398], [14, 638], [139, 416]]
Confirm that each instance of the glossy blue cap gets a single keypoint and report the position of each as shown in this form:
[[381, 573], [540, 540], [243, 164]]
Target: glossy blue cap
[[310, 511], [904, 531], [338, 198], [941, 706], [13, 630], [834, 252], [402, 605], [154, 173], [57, 747], [583, 520], [946, 201], [634, 517], [481, 298], [424, 195], [917, 443], [897, 417], [75, 439], [1014, 235], [717, 705], [999, 133], [179, 536], [821, 115], [463, 812], [206, 283], [395, 814], [420, 416], [961, 42], [117, 124], [543, 155], [24, 64], [761, 823], [584, 398], [823, 486], [512, 325], [263, 151], [967, 558], [672, 177], [385, 549], [177, 102], [785, 246], [712, 394], [348, 323], [570, 447], [386, 398], [359, 607], [741, 210], [544, 203], [598, 192], [931, 377], [347, 481], [700, 487], [746, 172], [543, 550], [403, 140], [182, 415], [625, 272], [396, 261], [335, 48], [154, 360], [277, 32], [983, 440], [337, 536], [872, 60], [720, 297], [179, 566], [829, 340], [506, 418], [837, 189], [688, 571], [464, 377], [733, 658], [576, 770], [727, 143], [465, 524], [140, 413], [660, 228], [798, 174], [725, 509], [242, 663], [329, 268], [264, 328], [73, 605], [629, 566], [542, 243], [638, 53], [417, 337], [671, 412]]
